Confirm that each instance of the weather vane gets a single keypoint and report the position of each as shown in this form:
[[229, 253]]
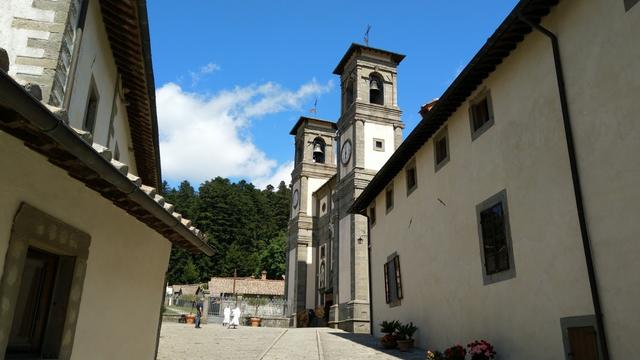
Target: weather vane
[[314, 109], [366, 35]]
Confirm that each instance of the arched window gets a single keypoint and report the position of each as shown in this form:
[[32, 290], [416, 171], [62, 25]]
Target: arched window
[[376, 89], [318, 150]]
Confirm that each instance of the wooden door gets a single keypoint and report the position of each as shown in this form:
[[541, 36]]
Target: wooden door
[[583, 342], [32, 307]]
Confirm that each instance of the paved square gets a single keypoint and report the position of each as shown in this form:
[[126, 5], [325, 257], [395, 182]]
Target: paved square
[[180, 341]]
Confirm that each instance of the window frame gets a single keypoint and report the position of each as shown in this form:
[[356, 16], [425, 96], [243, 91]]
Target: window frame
[[375, 148], [397, 281], [93, 94], [498, 198], [476, 133], [628, 4], [389, 205], [442, 134], [372, 214], [411, 165]]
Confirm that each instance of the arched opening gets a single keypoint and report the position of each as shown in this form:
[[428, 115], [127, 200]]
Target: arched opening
[[376, 89], [348, 96], [299, 151], [318, 150]]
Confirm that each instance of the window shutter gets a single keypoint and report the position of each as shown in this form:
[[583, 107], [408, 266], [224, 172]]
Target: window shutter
[[386, 283], [396, 261]]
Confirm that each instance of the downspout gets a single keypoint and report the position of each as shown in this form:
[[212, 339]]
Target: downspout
[[577, 188], [82, 17]]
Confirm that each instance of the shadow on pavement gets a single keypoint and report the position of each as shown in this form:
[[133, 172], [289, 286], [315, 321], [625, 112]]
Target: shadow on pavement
[[374, 343]]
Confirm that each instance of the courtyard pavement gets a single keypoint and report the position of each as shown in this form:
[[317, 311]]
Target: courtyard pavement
[[180, 341]]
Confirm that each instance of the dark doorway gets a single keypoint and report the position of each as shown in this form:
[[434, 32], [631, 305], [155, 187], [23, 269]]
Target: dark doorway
[[41, 306], [583, 343]]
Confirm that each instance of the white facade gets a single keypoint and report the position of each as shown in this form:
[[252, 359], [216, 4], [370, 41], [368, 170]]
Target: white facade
[[434, 229]]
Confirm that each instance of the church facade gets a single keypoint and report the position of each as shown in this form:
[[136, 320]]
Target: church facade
[[328, 251]]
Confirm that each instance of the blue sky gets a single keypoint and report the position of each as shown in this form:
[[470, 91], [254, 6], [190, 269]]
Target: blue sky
[[232, 77]]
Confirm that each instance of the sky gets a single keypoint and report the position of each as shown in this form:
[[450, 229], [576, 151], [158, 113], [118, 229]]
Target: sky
[[233, 77]]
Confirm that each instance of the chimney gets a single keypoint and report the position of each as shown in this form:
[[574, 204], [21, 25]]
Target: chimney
[[263, 275]]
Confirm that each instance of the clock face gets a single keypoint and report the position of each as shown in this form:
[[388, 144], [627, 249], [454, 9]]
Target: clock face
[[296, 198], [346, 152]]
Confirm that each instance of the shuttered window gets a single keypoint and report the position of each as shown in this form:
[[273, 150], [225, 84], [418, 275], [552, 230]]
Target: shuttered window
[[392, 280], [495, 239]]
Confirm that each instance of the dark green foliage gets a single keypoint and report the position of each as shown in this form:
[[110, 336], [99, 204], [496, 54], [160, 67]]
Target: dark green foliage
[[246, 226]]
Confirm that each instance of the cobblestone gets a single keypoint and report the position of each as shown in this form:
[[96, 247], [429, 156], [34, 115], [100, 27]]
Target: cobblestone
[[180, 341]]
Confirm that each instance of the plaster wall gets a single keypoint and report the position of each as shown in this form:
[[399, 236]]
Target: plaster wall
[[95, 61], [127, 260], [600, 52], [434, 229], [313, 185], [375, 159]]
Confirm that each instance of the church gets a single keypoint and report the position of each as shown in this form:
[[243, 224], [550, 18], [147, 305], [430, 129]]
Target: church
[[328, 251]]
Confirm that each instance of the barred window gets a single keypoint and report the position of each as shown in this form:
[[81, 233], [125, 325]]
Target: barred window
[[392, 280]]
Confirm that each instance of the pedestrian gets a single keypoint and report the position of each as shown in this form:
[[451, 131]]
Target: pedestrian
[[198, 314], [227, 316], [235, 321]]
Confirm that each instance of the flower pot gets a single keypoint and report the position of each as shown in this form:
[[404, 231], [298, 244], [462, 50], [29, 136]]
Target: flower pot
[[388, 342], [405, 345], [255, 321]]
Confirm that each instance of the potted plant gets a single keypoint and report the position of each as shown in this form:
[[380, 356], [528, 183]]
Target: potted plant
[[388, 341], [405, 336], [434, 355], [481, 350], [455, 352], [257, 302]]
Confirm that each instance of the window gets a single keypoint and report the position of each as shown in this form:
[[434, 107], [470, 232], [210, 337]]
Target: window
[[91, 112], [480, 115], [441, 149], [389, 198], [411, 176], [392, 280], [348, 94], [372, 215], [378, 144], [628, 4], [376, 89], [318, 150], [495, 239]]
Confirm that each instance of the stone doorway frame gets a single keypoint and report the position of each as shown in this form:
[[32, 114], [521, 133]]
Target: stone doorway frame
[[36, 229]]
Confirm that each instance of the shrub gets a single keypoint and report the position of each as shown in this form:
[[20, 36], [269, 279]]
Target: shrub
[[389, 327]]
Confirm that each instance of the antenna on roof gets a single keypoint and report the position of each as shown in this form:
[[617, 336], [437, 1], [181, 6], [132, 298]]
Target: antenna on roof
[[314, 109], [366, 35]]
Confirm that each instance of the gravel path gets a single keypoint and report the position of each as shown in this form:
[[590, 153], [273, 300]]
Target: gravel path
[[180, 341]]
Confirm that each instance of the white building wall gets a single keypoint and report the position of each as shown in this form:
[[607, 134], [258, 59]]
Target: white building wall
[[374, 159], [312, 185], [121, 295], [96, 60]]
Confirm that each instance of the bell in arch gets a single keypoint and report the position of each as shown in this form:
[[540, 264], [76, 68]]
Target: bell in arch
[[373, 85], [318, 152], [317, 149]]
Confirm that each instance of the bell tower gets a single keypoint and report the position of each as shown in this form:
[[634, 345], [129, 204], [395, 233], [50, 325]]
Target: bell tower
[[315, 163], [369, 130]]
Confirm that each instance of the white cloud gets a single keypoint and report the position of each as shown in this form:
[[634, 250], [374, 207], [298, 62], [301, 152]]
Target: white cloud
[[204, 137], [282, 173], [196, 76]]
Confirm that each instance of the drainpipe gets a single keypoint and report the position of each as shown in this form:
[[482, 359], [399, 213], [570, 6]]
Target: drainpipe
[[82, 16], [577, 188]]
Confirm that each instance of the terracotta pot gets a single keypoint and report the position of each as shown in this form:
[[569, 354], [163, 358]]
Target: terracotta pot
[[191, 319], [255, 321], [405, 345], [388, 342]]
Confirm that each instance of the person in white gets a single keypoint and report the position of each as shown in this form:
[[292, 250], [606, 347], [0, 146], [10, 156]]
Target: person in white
[[227, 316], [235, 321]]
